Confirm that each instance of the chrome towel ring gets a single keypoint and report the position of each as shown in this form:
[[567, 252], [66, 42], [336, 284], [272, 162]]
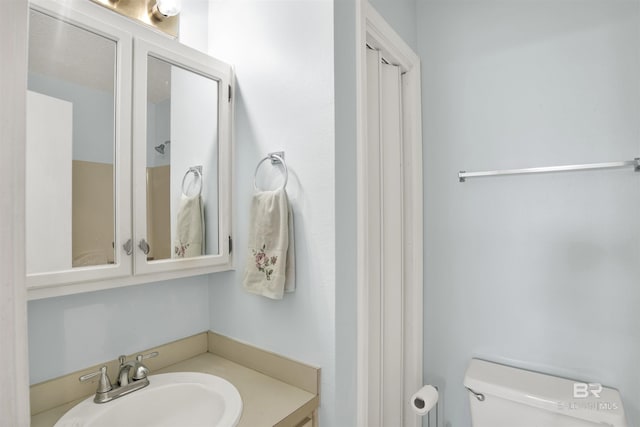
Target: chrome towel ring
[[276, 158], [197, 172]]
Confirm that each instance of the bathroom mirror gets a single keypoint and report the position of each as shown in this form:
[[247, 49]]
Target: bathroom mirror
[[182, 180], [74, 133], [70, 146], [182, 162]]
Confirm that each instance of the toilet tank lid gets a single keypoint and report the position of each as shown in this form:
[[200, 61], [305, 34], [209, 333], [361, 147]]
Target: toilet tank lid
[[546, 392]]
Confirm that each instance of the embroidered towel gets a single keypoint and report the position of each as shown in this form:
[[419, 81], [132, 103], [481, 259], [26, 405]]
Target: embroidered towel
[[189, 237], [266, 268]]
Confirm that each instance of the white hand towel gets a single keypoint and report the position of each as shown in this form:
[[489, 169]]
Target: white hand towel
[[266, 268], [189, 238]]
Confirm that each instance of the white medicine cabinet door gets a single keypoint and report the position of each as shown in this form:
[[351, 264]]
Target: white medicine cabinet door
[[182, 160], [78, 162]]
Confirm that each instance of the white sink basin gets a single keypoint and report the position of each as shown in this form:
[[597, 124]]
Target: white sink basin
[[185, 399]]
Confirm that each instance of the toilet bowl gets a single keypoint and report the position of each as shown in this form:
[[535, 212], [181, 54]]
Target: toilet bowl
[[503, 396]]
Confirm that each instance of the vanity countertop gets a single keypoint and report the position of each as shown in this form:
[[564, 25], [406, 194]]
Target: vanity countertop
[[266, 400]]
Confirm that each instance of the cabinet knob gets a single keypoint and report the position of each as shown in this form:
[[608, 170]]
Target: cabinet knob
[[128, 247], [144, 246]]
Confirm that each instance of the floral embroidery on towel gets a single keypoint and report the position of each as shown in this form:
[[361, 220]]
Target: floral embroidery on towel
[[181, 249], [264, 262]]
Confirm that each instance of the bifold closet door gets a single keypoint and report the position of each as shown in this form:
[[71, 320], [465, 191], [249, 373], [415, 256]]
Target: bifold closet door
[[385, 259]]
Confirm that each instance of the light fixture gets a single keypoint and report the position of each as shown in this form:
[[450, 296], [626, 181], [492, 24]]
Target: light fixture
[[164, 9], [162, 15]]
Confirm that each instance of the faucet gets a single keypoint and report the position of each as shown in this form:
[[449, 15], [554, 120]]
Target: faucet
[[139, 370], [127, 382]]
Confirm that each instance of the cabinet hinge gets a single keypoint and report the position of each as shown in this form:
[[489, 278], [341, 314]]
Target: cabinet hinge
[[230, 244], [229, 93]]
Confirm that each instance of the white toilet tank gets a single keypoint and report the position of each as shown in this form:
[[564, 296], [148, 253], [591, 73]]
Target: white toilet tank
[[502, 396]]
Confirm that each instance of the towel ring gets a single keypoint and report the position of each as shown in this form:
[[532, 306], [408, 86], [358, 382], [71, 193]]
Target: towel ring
[[276, 158], [197, 172]]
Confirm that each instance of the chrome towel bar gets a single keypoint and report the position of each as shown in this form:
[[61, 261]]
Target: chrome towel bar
[[463, 175]]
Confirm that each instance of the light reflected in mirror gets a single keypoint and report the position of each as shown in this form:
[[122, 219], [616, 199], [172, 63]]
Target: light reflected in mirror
[[70, 147], [182, 162]]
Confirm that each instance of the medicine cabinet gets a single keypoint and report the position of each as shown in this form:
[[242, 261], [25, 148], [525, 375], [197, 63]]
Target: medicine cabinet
[[129, 154]]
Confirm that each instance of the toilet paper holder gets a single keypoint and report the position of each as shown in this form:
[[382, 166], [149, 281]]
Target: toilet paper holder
[[418, 403], [437, 412]]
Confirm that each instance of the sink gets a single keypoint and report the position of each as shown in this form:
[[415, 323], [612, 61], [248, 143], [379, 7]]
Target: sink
[[185, 399]]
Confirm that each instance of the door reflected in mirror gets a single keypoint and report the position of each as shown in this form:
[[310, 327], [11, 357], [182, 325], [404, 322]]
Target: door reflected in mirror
[[182, 162], [70, 220]]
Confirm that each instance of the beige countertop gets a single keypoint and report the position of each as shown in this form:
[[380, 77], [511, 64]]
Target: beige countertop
[[266, 400]]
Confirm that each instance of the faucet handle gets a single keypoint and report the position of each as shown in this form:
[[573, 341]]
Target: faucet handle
[[141, 357], [104, 384], [141, 371]]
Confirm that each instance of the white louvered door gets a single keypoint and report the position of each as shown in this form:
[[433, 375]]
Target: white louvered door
[[385, 234]]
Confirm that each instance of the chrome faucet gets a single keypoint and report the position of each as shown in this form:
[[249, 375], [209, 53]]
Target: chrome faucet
[[139, 370], [127, 382]]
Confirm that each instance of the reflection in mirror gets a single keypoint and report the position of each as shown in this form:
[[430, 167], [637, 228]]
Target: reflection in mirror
[[70, 146], [182, 162]]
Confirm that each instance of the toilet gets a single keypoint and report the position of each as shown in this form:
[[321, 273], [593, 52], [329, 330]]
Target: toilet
[[503, 396]]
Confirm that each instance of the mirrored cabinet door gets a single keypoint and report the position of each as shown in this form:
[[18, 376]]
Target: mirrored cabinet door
[[78, 148], [182, 159]]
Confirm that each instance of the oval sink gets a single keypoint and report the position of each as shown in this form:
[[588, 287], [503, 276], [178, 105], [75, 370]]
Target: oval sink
[[186, 399]]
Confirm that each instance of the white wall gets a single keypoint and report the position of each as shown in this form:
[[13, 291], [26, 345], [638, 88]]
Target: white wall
[[48, 180], [194, 24], [283, 57], [401, 15], [194, 142], [70, 333], [93, 123], [536, 271], [344, 44]]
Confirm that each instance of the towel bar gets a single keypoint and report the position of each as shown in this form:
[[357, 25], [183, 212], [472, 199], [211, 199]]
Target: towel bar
[[463, 175]]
